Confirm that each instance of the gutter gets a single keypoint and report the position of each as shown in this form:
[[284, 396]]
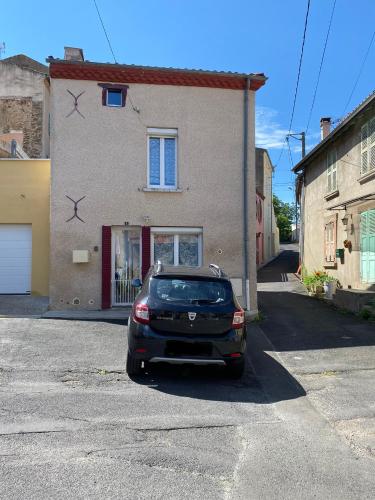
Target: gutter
[[245, 250]]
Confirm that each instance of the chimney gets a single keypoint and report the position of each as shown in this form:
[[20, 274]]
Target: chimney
[[325, 127], [73, 54]]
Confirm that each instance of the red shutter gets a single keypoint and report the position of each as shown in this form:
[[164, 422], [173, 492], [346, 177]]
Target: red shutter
[[146, 250], [106, 266], [104, 97]]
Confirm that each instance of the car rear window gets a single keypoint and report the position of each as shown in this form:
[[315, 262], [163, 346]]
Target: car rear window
[[191, 291]]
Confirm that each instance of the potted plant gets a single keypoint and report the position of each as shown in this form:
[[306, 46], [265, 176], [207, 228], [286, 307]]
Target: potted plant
[[329, 286]]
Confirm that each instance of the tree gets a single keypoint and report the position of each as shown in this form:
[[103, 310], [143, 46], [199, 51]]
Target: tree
[[285, 216]]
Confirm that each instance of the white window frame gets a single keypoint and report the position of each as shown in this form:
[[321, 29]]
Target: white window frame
[[162, 133], [176, 232], [118, 91], [332, 168], [367, 144]]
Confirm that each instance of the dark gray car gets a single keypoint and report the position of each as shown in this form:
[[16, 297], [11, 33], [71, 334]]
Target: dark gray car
[[186, 315]]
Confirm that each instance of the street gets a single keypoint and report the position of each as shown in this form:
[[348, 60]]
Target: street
[[299, 425]]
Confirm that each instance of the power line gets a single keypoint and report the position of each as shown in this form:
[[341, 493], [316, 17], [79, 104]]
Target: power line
[[300, 66], [321, 65], [105, 32], [360, 71]]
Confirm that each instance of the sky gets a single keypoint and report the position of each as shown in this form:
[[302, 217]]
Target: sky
[[247, 36]]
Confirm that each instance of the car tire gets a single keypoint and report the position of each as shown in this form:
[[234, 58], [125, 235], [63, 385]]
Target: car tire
[[236, 369], [133, 366]]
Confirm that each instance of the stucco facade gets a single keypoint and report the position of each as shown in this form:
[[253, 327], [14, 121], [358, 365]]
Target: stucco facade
[[264, 173], [332, 208], [101, 154], [25, 200]]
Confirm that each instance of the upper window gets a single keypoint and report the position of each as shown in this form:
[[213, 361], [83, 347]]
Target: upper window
[[114, 97], [177, 246], [113, 94], [331, 171], [368, 147], [162, 158]]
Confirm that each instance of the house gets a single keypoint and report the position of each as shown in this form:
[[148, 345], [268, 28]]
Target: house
[[24, 104], [267, 231], [336, 189], [148, 164], [24, 226]]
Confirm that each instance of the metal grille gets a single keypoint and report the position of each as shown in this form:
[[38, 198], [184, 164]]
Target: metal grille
[[123, 292]]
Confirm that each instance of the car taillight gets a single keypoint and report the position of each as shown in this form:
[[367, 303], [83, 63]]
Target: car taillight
[[141, 313], [238, 319]]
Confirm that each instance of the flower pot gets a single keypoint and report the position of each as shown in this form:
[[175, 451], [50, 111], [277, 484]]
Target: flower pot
[[329, 289]]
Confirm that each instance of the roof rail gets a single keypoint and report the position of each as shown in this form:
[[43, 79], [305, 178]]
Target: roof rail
[[158, 266], [216, 269]]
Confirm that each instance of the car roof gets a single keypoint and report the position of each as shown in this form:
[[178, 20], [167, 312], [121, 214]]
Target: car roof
[[185, 271]]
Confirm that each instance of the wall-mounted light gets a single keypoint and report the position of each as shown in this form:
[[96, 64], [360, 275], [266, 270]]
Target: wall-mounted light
[[146, 218]]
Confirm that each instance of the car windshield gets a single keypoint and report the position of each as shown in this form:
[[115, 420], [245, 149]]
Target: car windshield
[[191, 291]]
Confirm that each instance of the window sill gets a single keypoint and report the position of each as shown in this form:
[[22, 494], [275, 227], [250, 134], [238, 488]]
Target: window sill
[[366, 177], [161, 190], [332, 194]]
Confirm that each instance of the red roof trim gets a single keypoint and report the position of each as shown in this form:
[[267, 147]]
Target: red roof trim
[[123, 74]]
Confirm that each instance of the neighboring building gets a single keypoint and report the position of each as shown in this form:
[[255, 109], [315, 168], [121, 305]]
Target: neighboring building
[[336, 189], [270, 233], [24, 226], [148, 164], [24, 104]]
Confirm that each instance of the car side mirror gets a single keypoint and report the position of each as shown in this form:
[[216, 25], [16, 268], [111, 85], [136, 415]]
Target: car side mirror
[[136, 282]]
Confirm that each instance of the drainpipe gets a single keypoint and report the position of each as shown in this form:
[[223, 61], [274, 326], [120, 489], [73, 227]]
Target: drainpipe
[[245, 194]]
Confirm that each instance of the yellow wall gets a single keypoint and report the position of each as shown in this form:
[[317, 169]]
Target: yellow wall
[[24, 199]]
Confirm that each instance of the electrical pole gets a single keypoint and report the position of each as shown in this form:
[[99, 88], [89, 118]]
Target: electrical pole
[[300, 136]]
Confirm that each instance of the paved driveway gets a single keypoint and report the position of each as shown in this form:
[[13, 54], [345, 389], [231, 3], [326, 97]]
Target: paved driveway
[[73, 425]]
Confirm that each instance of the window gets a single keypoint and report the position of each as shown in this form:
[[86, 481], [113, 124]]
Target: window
[[177, 246], [191, 291], [330, 229], [331, 171], [162, 158], [113, 94], [114, 97], [368, 147]]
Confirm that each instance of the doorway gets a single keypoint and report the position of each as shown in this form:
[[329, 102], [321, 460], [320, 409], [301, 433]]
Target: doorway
[[126, 264]]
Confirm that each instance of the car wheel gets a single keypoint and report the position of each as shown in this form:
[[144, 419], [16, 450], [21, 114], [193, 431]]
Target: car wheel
[[133, 366], [236, 369]]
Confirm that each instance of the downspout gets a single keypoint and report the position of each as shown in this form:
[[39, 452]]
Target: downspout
[[245, 195]]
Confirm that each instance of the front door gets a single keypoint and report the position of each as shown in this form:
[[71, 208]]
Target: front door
[[126, 264], [368, 246]]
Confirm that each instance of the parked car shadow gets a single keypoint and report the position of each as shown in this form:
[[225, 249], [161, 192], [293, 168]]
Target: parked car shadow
[[265, 380]]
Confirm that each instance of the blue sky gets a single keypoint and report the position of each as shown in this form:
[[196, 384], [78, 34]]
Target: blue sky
[[240, 35]]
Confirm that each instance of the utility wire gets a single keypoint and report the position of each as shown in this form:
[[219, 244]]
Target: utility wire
[[321, 65], [360, 71], [105, 32], [300, 66]]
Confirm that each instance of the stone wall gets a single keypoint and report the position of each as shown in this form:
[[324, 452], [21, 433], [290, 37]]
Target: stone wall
[[23, 113]]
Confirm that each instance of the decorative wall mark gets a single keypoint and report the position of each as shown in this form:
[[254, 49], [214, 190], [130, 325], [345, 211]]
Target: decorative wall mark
[[75, 103], [75, 215]]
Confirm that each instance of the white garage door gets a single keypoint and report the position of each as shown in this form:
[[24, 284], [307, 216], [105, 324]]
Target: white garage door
[[15, 258]]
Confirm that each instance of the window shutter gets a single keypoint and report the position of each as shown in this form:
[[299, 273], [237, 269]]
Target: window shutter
[[104, 97], [146, 250], [106, 266], [371, 145], [364, 150]]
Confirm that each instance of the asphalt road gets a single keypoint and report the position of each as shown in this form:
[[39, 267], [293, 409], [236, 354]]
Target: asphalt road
[[73, 425]]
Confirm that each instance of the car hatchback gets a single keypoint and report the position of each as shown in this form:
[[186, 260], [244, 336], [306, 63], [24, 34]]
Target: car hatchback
[[186, 315]]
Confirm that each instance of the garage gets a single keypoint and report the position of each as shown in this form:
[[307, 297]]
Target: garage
[[15, 258]]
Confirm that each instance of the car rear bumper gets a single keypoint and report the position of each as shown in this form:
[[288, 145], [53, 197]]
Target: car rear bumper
[[148, 345]]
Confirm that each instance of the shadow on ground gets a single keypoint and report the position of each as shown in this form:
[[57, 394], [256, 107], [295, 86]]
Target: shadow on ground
[[295, 322], [265, 381]]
